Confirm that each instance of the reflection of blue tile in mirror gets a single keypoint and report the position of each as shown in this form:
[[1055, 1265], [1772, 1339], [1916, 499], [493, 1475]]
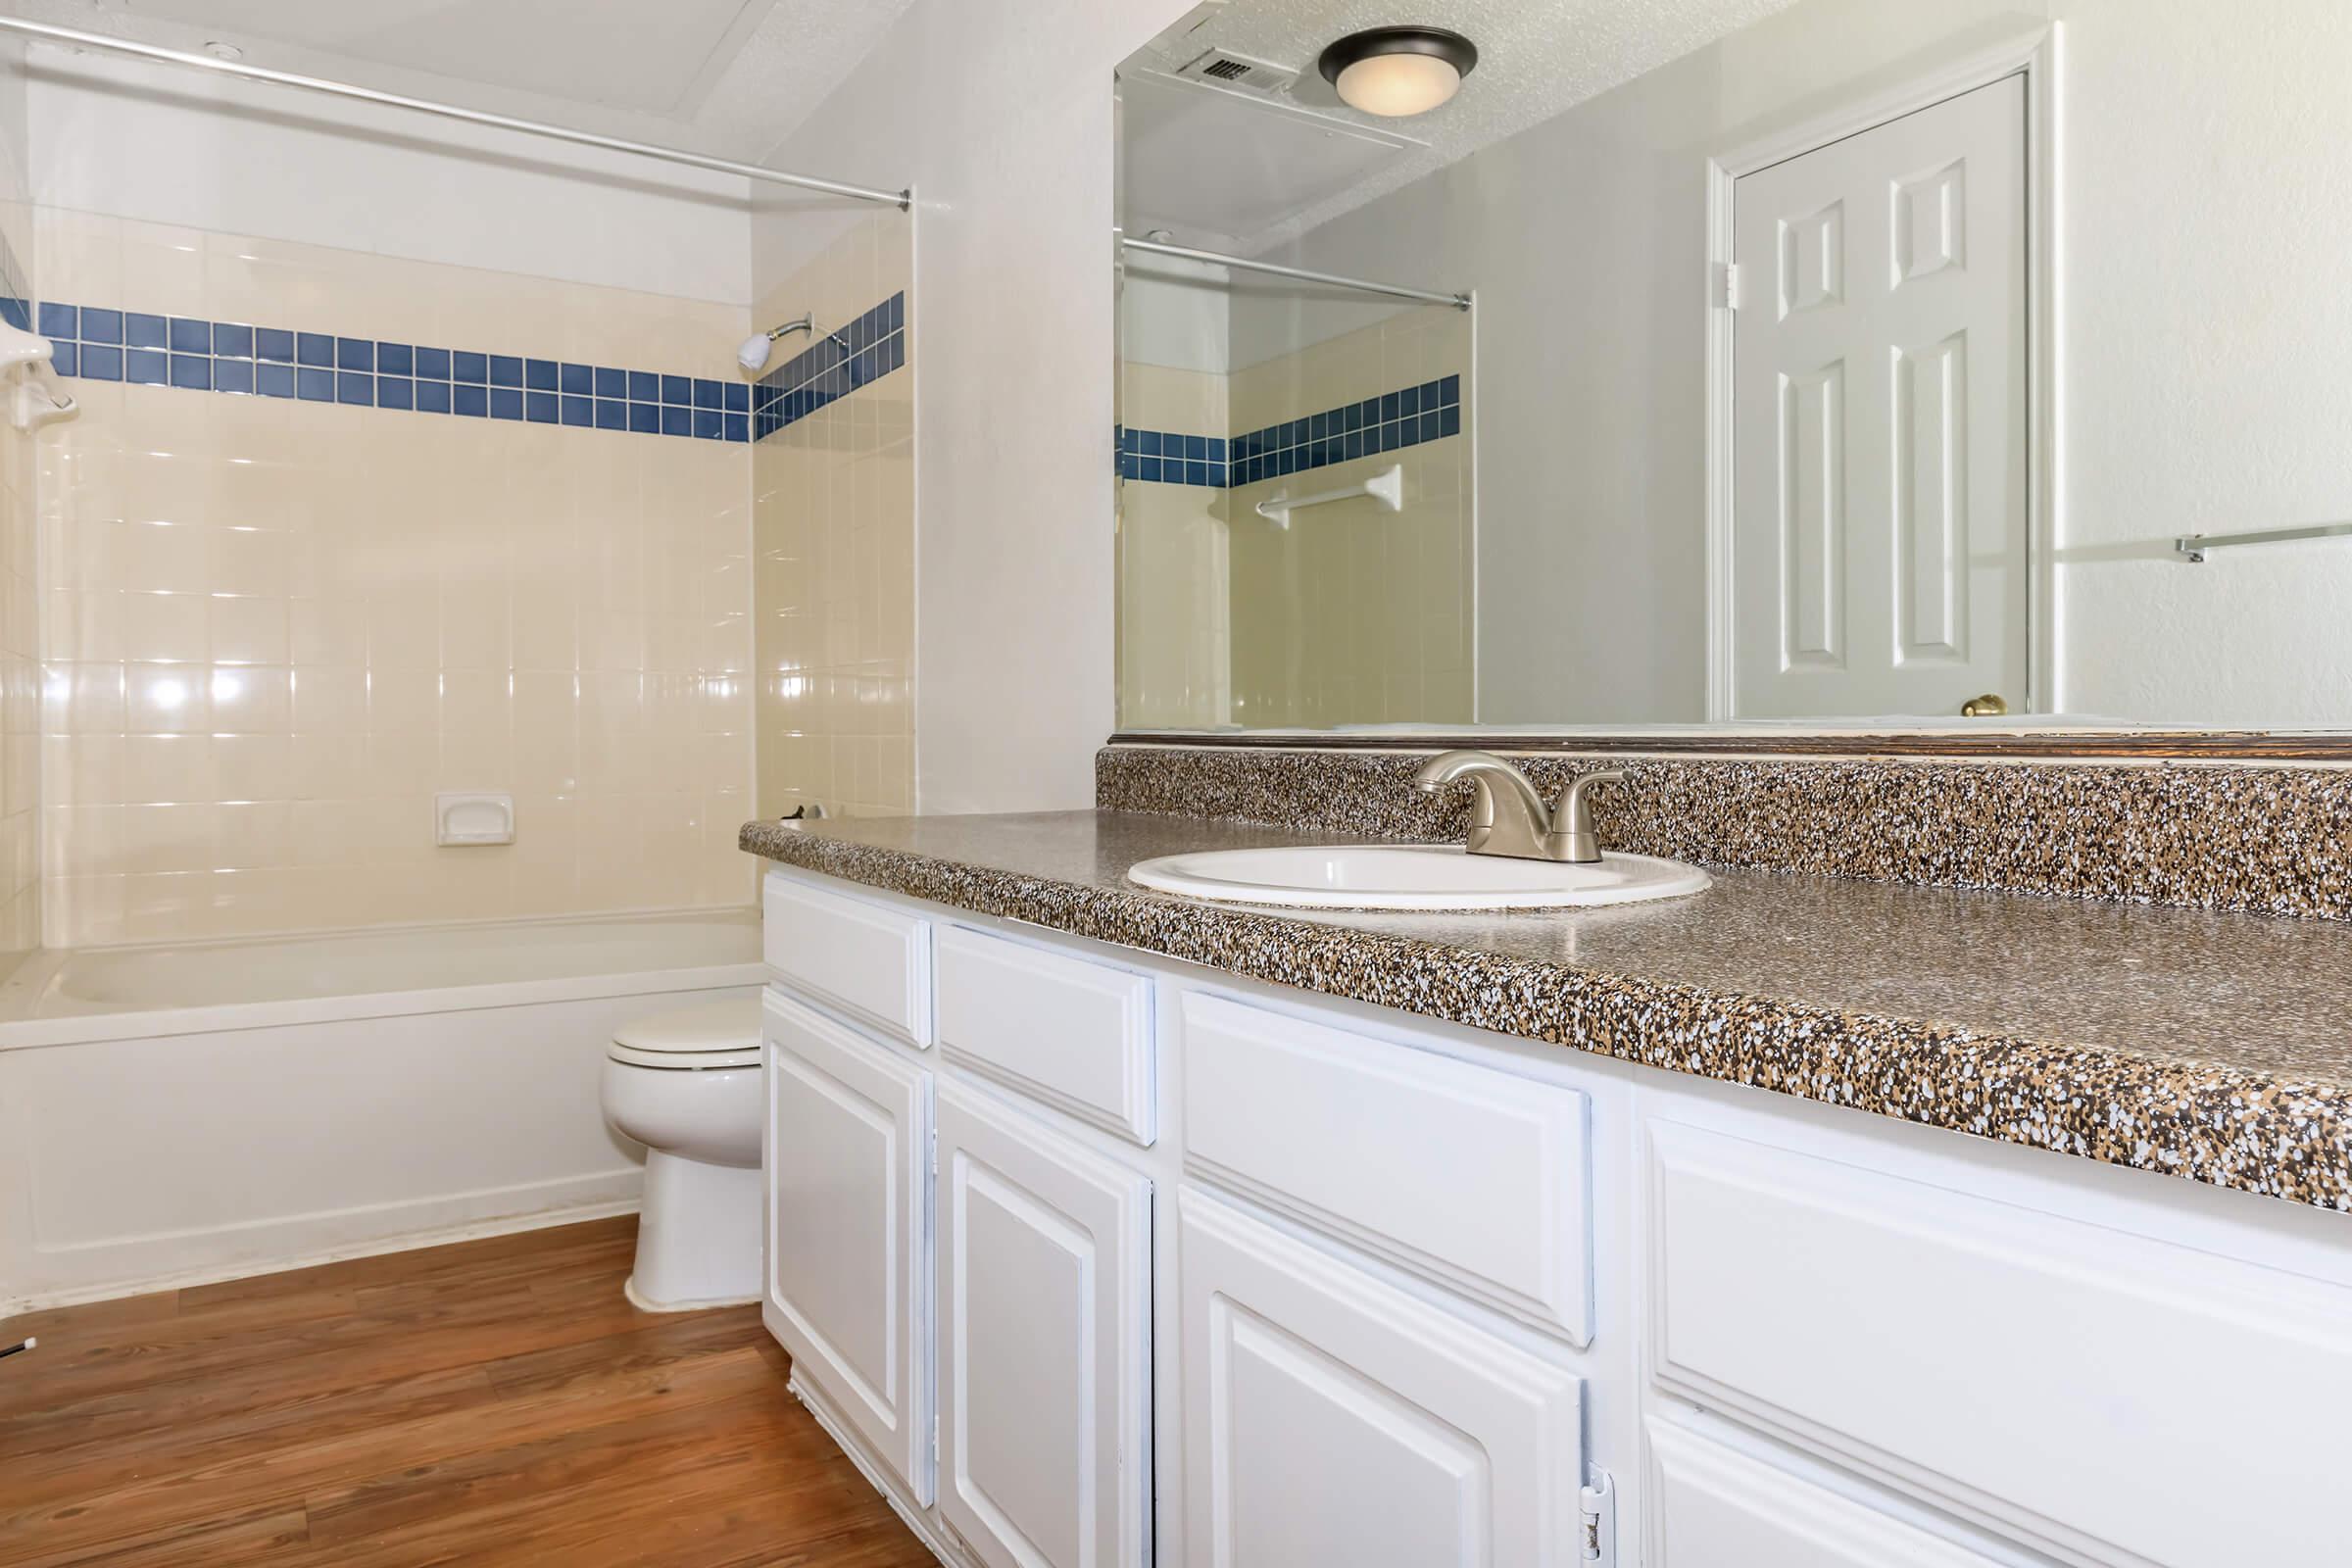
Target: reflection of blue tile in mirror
[[1404, 418]]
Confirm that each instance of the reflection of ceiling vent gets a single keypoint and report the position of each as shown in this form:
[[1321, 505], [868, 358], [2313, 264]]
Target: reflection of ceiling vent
[[1229, 69]]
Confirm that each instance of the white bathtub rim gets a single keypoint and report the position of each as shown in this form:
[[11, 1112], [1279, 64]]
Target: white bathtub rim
[[144, 1023]]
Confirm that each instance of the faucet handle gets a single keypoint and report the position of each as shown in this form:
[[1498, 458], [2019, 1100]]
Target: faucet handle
[[1572, 833]]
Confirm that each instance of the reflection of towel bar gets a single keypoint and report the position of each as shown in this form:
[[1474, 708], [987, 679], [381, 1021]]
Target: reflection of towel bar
[[1385, 487], [2191, 546]]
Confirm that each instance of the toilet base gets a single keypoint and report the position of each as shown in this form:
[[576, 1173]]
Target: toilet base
[[698, 1236], [628, 1287]]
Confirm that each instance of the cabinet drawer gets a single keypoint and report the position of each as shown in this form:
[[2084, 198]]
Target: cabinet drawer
[[867, 961], [2061, 1381], [1471, 1177], [1715, 1505], [1074, 1034]]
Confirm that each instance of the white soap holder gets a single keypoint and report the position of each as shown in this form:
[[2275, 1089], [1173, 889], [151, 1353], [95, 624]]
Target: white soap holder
[[462, 817]]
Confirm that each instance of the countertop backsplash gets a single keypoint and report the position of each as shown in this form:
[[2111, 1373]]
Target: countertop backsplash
[[2264, 838]]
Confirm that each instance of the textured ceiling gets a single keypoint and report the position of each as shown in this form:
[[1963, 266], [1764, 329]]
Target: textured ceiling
[[731, 77], [1536, 58]]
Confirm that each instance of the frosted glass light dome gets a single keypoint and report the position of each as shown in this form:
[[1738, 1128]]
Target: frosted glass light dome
[[1399, 71]]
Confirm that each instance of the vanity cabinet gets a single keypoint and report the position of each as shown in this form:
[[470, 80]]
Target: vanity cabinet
[[1045, 1342], [1092, 1260]]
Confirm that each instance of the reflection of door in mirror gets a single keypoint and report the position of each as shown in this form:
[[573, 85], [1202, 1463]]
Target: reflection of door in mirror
[[1879, 419]]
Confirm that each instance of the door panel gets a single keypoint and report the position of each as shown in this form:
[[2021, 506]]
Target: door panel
[[1879, 419], [1329, 1418], [849, 1128], [1044, 1342]]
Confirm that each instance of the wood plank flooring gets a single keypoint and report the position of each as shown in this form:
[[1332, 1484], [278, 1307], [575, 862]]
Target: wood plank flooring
[[493, 1402]]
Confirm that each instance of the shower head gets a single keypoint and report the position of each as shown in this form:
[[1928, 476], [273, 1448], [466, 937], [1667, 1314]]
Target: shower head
[[753, 355]]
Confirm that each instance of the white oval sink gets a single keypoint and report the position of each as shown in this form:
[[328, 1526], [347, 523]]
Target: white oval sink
[[1413, 876]]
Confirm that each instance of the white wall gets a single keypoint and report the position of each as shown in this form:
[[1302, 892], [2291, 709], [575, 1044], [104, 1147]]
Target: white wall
[[2207, 334], [170, 145], [2207, 213], [1000, 113], [1176, 313]]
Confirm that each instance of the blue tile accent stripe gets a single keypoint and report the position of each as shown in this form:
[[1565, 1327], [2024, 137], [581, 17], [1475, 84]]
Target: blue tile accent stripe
[[868, 349], [1165, 457], [1404, 418], [102, 344]]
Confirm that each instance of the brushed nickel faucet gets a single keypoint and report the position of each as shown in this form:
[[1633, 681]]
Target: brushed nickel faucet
[[1509, 818]]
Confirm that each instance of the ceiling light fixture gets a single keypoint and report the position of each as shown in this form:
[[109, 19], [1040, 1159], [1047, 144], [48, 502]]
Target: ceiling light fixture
[[1397, 72]]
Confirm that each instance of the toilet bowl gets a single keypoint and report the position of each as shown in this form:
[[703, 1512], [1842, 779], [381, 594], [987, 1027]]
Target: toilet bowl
[[686, 1085]]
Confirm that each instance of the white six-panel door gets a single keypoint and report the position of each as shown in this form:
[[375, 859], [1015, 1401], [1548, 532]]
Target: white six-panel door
[[1044, 1342], [847, 1160], [1879, 419], [1329, 1418]]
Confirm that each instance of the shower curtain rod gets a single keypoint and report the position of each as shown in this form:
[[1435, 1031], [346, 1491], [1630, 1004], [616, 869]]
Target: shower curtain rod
[[901, 199], [1460, 302]]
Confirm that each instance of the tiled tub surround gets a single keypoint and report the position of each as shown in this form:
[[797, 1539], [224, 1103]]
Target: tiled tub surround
[[2272, 840], [2191, 1043], [273, 630], [104, 344], [870, 346], [20, 633], [833, 539]]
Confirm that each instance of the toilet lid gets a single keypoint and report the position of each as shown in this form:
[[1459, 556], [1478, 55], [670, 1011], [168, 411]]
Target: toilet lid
[[708, 1034]]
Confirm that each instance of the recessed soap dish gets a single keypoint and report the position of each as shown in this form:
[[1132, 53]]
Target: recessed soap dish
[[473, 818]]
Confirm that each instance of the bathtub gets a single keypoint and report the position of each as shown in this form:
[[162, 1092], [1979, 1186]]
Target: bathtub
[[175, 1114]]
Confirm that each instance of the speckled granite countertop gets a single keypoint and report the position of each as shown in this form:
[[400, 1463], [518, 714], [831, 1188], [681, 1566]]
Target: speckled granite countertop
[[2212, 1046]]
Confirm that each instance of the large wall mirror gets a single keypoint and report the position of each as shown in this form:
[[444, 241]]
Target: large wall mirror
[[1697, 365]]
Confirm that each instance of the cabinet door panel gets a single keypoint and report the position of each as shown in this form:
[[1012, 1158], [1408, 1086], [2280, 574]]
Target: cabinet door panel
[[1329, 1418], [1043, 1341], [849, 1128]]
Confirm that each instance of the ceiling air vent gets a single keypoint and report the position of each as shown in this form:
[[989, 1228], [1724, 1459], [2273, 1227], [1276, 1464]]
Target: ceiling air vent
[[1226, 69]]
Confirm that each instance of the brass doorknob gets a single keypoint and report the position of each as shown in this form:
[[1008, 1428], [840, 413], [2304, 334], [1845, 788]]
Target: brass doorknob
[[1988, 705]]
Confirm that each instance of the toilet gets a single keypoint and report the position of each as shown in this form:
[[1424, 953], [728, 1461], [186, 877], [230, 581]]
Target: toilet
[[686, 1085]]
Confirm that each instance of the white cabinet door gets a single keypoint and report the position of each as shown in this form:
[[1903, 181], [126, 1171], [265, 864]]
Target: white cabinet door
[[1878, 541], [848, 1164], [1331, 1418], [1044, 1342]]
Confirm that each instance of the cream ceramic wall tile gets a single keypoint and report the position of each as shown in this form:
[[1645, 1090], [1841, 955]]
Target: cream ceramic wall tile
[[273, 630], [831, 560]]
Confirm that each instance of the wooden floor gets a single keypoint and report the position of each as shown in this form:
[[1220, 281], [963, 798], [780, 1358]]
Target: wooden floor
[[486, 1403]]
